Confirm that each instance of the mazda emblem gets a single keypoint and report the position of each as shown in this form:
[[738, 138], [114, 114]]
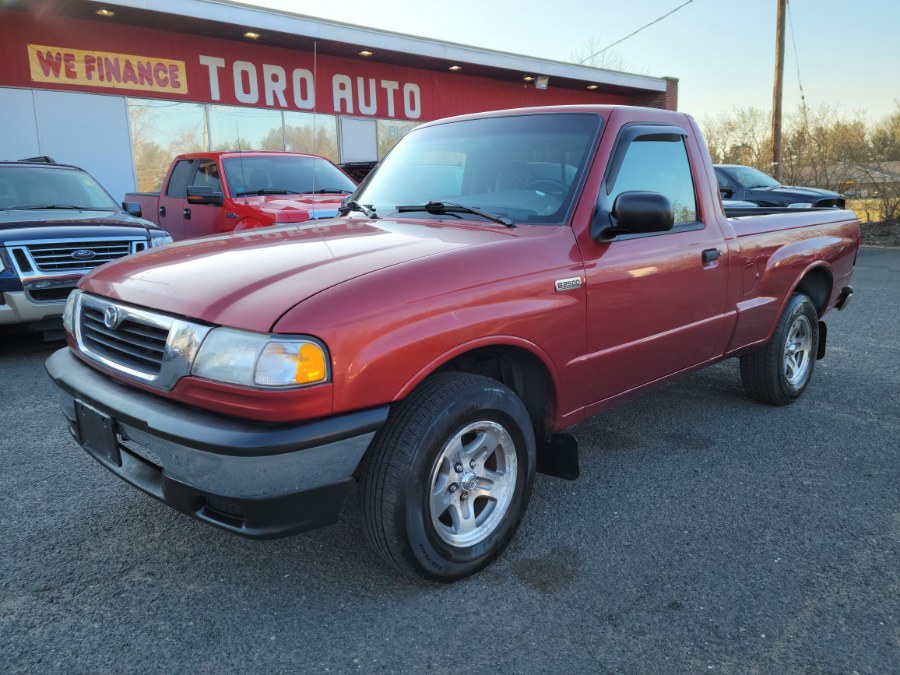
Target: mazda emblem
[[83, 254], [111, 317]]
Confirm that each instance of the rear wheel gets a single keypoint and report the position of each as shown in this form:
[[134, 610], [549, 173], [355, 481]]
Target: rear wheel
[[449, 477], [779, 372]]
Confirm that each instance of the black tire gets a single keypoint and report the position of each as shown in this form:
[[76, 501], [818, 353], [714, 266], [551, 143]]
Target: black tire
[[779, 372], [409, 476]]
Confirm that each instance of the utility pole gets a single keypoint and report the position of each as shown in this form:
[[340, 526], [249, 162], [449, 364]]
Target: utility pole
[[779, 75]]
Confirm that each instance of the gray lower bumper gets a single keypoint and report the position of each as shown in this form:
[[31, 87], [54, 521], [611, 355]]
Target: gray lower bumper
[[18, 308], [254, 479]]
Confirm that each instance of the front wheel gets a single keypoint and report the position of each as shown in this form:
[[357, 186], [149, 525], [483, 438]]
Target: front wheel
[[779, 372], [449, 477]]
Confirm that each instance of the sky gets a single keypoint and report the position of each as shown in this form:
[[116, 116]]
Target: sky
[[722, 51]]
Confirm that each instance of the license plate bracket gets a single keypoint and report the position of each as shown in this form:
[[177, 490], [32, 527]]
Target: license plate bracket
[[97, 433]]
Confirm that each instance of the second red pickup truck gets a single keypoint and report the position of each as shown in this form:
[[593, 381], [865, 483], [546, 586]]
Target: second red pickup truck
[[216, 192], [498, 278]]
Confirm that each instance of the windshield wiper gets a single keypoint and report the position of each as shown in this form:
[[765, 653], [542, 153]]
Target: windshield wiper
[[54, 206], [267, 191], [332, 191], [356, 206], [447, 207]]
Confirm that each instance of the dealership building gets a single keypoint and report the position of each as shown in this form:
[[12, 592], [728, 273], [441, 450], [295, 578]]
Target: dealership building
[[119, 88]]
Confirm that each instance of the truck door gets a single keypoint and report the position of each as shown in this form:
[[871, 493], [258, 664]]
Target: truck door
[[202, 219], [655, 302], [173, 199]]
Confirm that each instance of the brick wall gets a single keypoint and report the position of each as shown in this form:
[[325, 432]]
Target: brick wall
[[667, 100]]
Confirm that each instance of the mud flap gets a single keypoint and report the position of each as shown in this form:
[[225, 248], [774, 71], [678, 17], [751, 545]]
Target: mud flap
[[823, 338], [558, 457]]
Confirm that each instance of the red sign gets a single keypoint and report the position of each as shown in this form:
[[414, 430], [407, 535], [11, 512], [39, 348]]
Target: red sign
[[56, 53]]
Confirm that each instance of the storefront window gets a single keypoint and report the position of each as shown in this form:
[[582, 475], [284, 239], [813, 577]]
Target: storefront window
[[235, 128], [160, 130], [312, 133], [388, 132]]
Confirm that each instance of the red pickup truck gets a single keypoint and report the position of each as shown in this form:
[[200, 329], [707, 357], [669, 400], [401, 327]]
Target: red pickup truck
[[216, 192], [499, 278]]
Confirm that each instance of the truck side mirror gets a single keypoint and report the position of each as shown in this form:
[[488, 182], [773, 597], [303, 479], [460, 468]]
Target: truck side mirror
[[133, 209], [203, 194], [638, 213]]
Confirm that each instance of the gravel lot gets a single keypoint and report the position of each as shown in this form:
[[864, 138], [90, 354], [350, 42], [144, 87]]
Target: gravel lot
[[708, 533]]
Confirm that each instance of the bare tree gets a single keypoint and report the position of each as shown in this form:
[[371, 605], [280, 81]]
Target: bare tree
[[822, 147], [883, 167], [886, 137], [593, 54], [739, 137]]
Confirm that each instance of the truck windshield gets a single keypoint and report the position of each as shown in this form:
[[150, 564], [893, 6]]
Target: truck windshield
[[284, 174], [527, 168], [33, 187], [748, 177]]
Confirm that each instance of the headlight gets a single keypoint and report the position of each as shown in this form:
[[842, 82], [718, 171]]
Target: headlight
[[159, 238], [800, 205], [69, 311], [257, 359]]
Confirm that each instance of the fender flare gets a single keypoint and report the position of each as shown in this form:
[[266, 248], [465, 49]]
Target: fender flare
[[483, 342]]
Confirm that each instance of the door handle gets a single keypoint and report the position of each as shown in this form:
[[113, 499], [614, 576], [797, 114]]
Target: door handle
[[710, 255], [187, 214], [162, 210]]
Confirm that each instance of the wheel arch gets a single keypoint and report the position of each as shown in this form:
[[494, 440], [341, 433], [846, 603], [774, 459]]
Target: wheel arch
[[518, 364], [816, 283], [249, 222]]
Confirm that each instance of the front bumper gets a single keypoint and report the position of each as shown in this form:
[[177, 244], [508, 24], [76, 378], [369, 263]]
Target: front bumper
[[253, 479], [18, 308]]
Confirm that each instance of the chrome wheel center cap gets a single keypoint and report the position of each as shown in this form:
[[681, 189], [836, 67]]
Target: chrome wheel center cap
[[468, 481]]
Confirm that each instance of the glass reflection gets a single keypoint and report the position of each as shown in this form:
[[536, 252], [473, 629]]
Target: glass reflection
[[160, 130], [312, 133], [234, 128]]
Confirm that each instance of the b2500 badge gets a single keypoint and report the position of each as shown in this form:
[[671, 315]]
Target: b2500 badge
[[568, 284]]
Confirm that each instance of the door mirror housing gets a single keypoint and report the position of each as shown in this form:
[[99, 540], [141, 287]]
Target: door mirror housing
[[133, 209], [203, 194], [639, 213], [726, 192]]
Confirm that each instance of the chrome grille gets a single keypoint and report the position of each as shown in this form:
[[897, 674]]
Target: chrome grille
[[130, 343], [156, 349], [62, 257]]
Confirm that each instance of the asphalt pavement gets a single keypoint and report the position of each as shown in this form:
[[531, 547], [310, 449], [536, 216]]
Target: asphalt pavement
[[708, 533]]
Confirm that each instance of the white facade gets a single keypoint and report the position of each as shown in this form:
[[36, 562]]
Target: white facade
[[87, 130]]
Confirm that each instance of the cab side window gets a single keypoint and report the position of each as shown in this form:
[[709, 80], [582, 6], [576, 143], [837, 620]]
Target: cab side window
[[208, 174], [178, 182], [658, 164], [723, 182]]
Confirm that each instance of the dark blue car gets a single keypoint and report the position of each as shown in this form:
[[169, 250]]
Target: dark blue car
[[56, 224], [751, 185]]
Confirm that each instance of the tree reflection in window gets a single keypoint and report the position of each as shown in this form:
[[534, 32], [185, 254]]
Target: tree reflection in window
[[662, 166], [160, 130]]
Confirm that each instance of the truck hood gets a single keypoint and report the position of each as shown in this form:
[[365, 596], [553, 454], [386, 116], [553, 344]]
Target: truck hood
[[790, 193], [66, 223], [250, 279], [296, 208]]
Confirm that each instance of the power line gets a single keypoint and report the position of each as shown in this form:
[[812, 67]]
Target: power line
[[636, 32], [796, 58]]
